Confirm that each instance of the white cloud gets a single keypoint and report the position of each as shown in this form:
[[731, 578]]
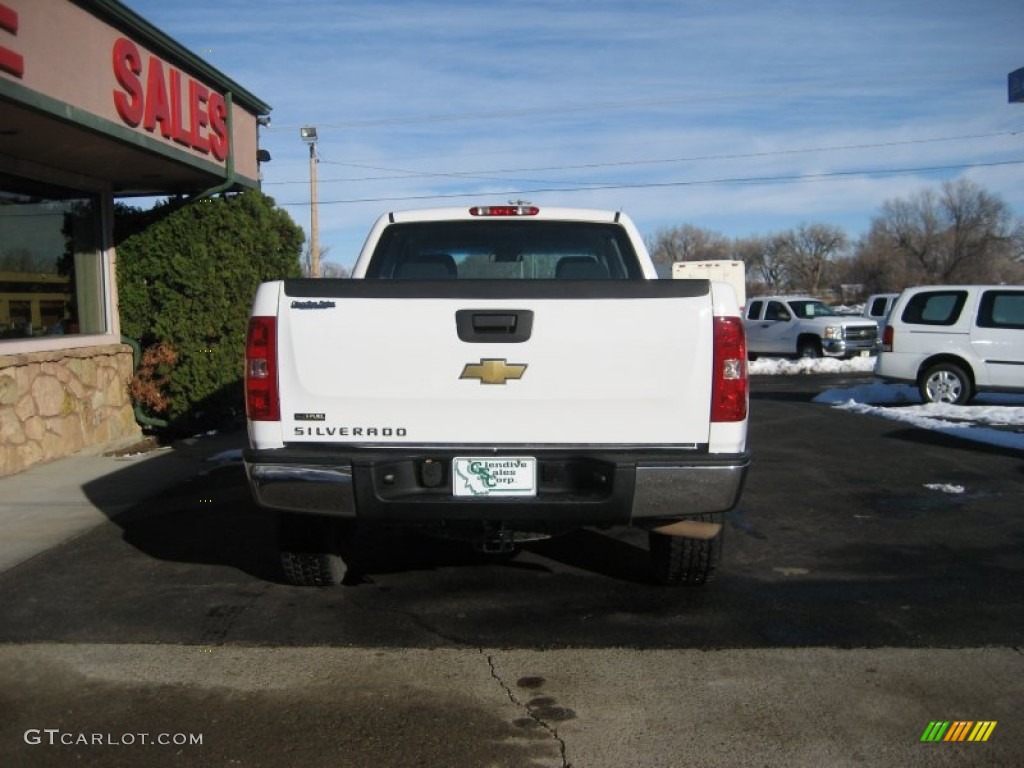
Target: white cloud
[[458, 86]]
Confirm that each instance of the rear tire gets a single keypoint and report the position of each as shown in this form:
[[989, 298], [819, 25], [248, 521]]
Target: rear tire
[[945, 383], [308, 569], [310, 550], [684, 560]]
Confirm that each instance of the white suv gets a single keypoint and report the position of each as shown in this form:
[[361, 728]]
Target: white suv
[[954, 341]]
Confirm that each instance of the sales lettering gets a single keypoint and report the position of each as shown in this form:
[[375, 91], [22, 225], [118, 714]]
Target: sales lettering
[[159, 97]]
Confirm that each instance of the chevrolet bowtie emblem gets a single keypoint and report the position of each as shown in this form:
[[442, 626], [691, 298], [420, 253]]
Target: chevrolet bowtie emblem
[[491, 371]]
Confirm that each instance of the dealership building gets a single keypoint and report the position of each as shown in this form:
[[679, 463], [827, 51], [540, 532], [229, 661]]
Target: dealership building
[[96, 104]]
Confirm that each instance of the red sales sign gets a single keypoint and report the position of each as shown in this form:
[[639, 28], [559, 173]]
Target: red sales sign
[[154, 94], [11, 61]]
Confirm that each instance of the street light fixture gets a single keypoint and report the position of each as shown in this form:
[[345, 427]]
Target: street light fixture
[[308, 135]]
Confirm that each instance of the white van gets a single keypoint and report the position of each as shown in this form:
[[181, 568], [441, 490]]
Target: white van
[[954, 341]]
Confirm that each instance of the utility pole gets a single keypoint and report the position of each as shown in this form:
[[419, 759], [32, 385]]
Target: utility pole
[[308, 134]]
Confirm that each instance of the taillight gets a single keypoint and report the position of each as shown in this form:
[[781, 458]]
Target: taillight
[[504, 210], [729, 386], [887, 337], [261, 399]]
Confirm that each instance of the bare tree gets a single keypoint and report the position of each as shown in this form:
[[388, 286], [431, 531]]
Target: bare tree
[[875, 267], [807, 252], [334, 269], [307, 260], [958, 234], [765, 266], [688, 243], [980, 233]]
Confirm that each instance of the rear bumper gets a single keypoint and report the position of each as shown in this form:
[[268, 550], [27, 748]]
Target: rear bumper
[[898, 366], [575, 487]]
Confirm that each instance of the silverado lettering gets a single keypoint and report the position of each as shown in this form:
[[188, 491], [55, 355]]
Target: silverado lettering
[[634, 412], [349, 432]]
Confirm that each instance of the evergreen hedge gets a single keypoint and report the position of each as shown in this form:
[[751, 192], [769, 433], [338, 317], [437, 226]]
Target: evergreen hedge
[[186, 275]]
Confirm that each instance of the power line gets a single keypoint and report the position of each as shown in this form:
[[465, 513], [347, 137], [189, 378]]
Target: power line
[[827, 86], [666, 184], [483, 175]]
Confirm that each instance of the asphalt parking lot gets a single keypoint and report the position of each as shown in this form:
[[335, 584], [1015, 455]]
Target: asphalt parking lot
[[856, 605]]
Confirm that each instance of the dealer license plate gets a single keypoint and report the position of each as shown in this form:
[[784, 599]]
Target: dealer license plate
[[494, 476]]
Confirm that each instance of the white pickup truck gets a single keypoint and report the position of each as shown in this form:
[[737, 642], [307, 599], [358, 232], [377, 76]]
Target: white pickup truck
[[803, 326], [497, 374]]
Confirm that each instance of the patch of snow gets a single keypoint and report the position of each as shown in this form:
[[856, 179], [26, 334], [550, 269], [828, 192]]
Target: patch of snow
[[773, 366], [992, 418], [945, 487]]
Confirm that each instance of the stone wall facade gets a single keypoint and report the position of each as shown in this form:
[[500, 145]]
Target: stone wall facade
[[54, 404]]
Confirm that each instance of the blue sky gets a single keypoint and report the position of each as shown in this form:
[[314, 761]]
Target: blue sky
[[746, 118]]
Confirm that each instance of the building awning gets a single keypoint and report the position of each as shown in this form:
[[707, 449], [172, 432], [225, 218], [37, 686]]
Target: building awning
[[88, 87], [131, 167]]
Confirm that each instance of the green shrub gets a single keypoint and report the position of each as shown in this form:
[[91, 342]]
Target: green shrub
[[186, 275]]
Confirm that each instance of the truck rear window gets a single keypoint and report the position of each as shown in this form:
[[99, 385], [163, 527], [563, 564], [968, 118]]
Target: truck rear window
[[504, 250]]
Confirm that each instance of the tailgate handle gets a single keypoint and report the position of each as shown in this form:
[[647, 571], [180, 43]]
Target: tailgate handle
[[510, 326], [484, 322]]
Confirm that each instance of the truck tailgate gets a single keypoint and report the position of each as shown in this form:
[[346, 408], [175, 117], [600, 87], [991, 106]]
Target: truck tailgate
[[602, 363]]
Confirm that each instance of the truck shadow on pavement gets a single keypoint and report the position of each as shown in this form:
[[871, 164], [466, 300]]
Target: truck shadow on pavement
[[211, 519], [885, 563], [208, 520]]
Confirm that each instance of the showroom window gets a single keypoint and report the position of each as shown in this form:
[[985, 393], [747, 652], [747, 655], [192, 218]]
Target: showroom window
[[51, 261]]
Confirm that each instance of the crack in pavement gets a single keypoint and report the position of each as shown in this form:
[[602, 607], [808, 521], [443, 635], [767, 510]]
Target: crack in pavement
[[530, 711]]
